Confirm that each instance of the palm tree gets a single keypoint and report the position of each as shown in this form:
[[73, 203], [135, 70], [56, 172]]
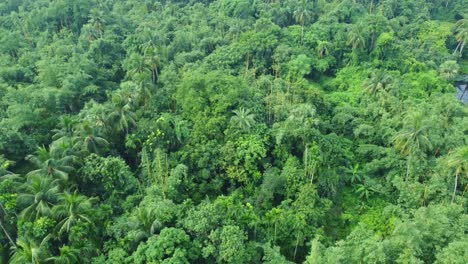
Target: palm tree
[[181, 128], [302, 15], [122, 114], [458, 160], [4, 172], [379, 80], [28, 251], [449, 70], [299, 124], [72, 208], [387, 8], [323, 48], [96, 19], [68, 255], [365, 190], [144, 70], [355, 175], [66, 130], [54, 162], [355, 37], [38, 194], [144, 223], [94, 114], [243, 119], [136, 65], [373, 25], [461, 35], [153, 60], [412, 138], [89, 140], [235, 30]]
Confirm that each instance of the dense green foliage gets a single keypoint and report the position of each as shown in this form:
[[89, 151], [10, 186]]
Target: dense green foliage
[[233, 131]]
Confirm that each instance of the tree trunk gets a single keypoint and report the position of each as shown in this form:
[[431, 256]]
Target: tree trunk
[[8, 235], [464, 191], [295, 248], [408, 167], [456, 49], [302, 34], [454, 188], [464, 90], [4, 229], [247, 62], [305, 162], [423, 203], [274, 237]]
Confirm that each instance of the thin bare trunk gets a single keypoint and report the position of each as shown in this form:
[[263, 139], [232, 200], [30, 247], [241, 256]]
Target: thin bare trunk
[[4, 229], [8, 235], [274, 238], [314, 167], [295, 248], [275, 107], [372, 41], [302, 34], [149, 173], [157, 74], [161, 175], [305, 161], [423, 203], [167, 174], [408, 167], [270, 104], [464, 90], [464, 191], [456, 49], [455, 188], [247, 62]]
